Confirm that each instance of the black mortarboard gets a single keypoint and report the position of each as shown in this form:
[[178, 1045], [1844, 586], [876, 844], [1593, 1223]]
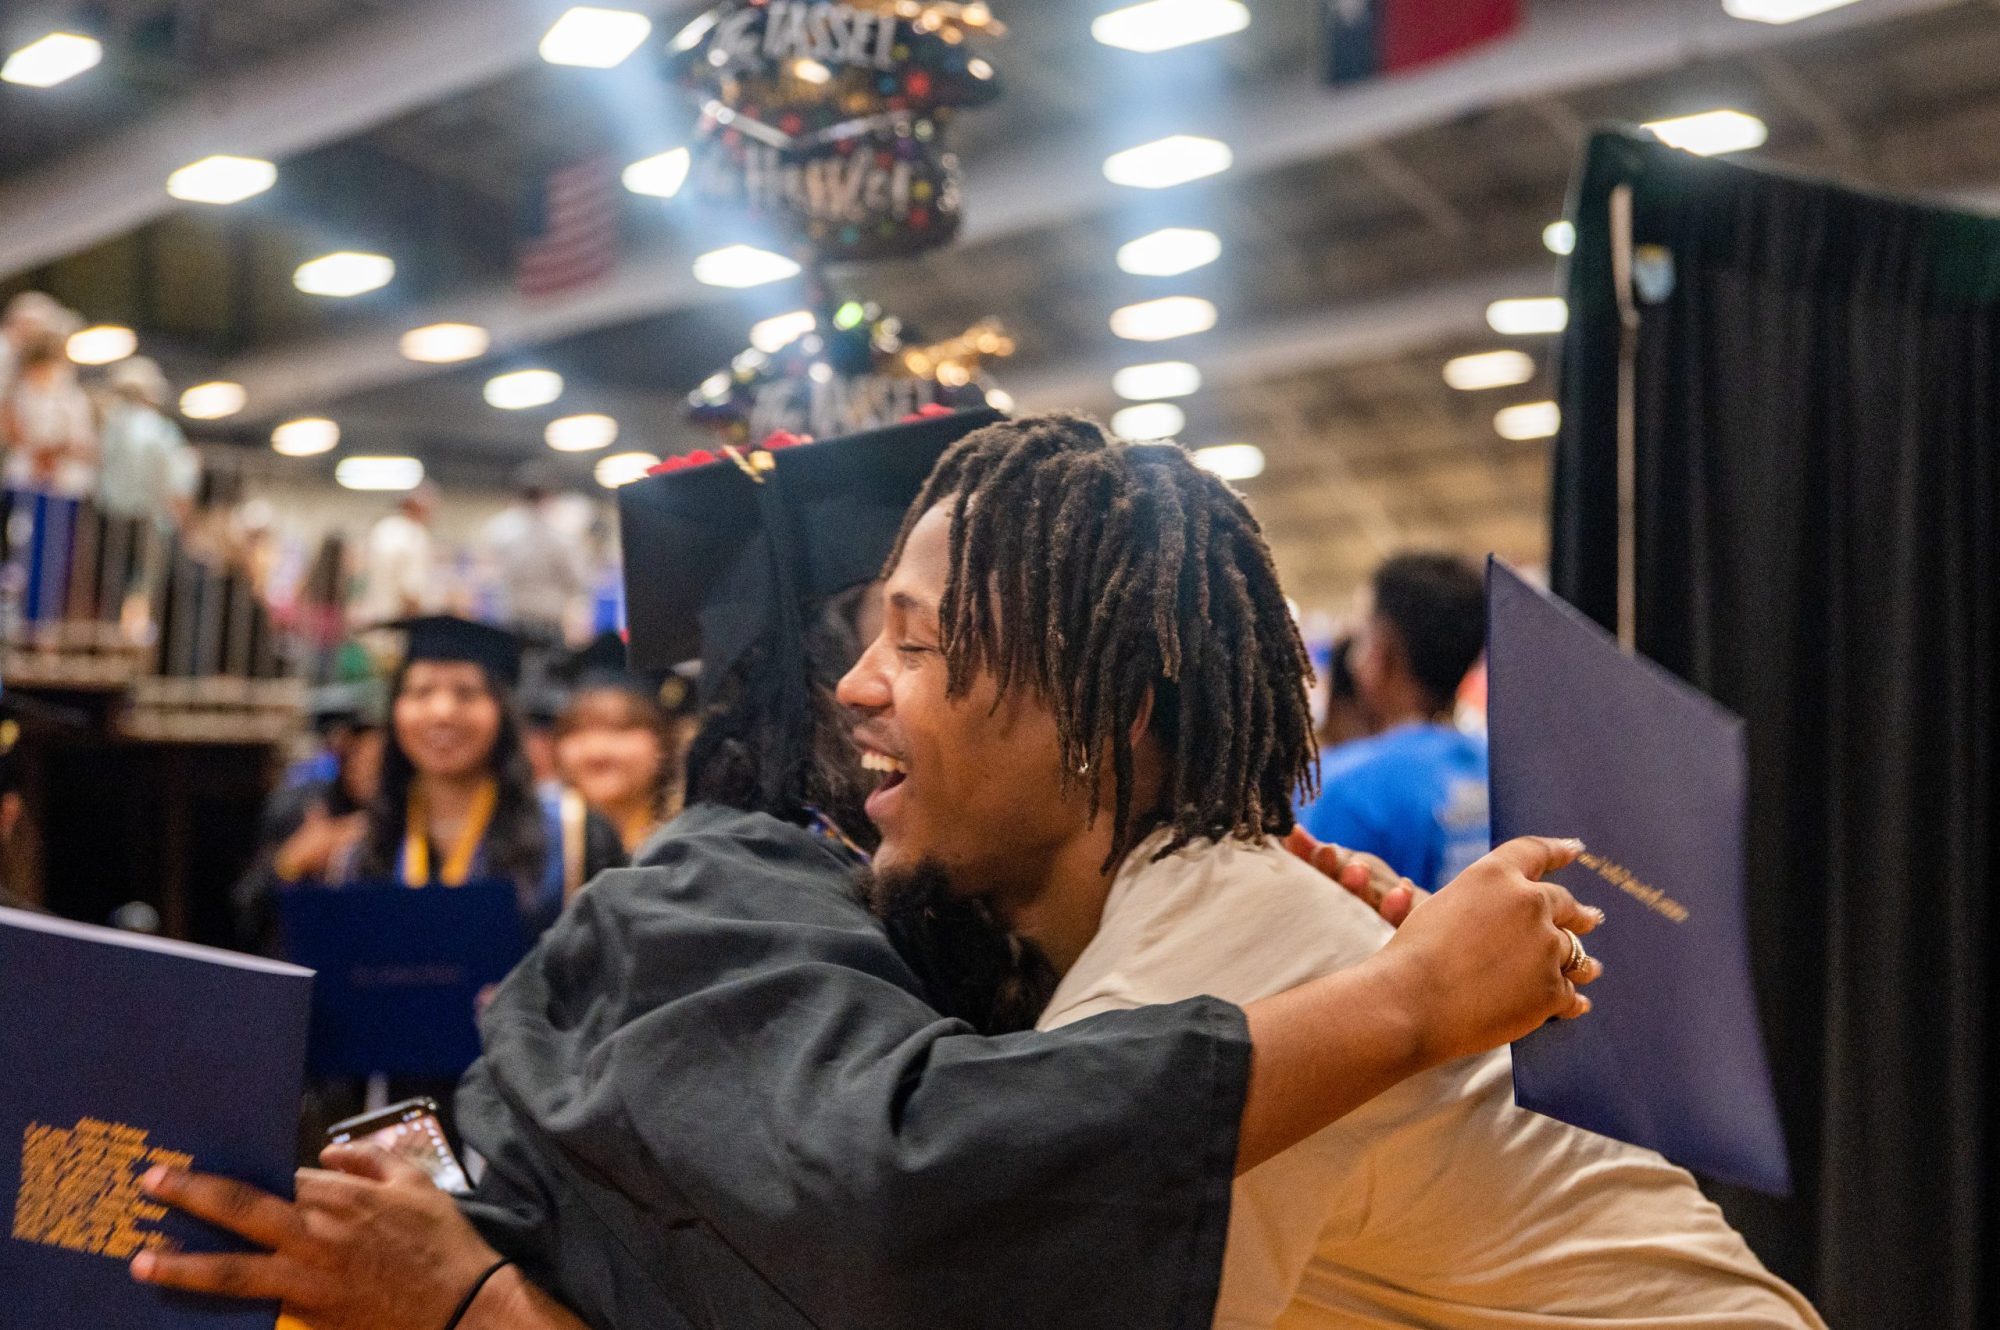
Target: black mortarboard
[[601, 663], [716, 558], [359, 702], [602, 660], [446, 637]]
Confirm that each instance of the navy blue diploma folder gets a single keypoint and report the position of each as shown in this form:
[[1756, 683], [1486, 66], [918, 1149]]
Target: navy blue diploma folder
[[1588, 741], [118, 1052], [400, 971]]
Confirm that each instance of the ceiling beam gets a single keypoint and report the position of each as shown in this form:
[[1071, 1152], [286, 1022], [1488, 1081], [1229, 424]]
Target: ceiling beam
[[1567, 45], [416, 55]]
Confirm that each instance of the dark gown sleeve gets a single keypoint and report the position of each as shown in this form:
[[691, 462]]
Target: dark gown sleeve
[[714, 1095]]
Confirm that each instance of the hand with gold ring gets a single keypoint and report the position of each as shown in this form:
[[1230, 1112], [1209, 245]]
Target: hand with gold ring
[[1497, 952], [1579, 959]]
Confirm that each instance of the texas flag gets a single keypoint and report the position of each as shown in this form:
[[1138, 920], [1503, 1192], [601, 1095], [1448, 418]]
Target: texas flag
[[1369, 37]]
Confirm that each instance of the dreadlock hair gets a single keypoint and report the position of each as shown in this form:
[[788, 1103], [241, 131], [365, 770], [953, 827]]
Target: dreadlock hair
[[1097, 572]]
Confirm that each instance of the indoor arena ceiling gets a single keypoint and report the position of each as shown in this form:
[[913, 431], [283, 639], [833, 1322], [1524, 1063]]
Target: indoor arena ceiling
[[1364, 230]]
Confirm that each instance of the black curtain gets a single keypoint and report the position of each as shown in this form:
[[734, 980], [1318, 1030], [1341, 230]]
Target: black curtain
[[1818, 546]]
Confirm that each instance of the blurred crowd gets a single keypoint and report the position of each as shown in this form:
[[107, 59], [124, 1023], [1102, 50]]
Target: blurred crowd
[[111, 440]]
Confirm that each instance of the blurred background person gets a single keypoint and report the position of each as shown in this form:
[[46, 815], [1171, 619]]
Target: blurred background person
[[619, 746], [27, 314], [536, 568], [146, 468], [399, 568], [317, 616], [46, 422], [1414, 792], [1346, 719], [320, 811]]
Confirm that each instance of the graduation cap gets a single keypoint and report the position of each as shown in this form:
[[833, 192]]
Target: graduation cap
[[601, 661], [363, 703], [602, 664], [447, 637], [718, 556]]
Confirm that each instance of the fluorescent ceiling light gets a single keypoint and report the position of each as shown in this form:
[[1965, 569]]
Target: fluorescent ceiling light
[[344, 273], [659, 176], [305, 438], [379, 473], [743, 265], [222, 179], [1559, 237], [50, 60], [1167, 378], [581, 434], [1780, 11], [102, 344], [1166, 162], [594, 38], [444, 343], [1543, 314], [213, 401], [523, 388], [811, 71], [1489, 369], [1000, 400], [1154, 420], [1161, 25], [781, 330], [623, 468], [1158, 320], [1231, 461], [1710, 133], [1169, 252], [1530, 420]]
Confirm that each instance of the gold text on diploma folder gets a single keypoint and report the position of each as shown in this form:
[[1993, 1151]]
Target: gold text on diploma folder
[[80, 1188]]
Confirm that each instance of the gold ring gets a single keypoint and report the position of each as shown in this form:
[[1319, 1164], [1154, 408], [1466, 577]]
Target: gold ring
[[1578, 957]]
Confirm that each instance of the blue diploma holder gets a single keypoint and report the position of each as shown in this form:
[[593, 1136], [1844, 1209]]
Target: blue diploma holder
[[400, 971], [1590, 742]]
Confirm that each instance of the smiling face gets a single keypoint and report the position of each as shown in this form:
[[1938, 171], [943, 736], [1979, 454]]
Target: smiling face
[[970, 785], [610, 752], [447, 718]]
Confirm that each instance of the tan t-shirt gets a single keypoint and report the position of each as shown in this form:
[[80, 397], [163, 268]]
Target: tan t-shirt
[[1439, 1203]]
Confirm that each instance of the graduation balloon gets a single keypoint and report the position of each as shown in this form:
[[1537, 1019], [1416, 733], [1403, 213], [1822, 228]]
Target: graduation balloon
[[882, 193], [829, 116], [856, 369]]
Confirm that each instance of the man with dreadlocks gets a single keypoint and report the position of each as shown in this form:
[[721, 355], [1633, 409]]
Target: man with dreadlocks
[[1088, 703], [716, 1095]]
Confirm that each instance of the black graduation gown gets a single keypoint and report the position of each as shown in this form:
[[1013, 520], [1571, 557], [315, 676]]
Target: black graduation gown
[[714, 1095]]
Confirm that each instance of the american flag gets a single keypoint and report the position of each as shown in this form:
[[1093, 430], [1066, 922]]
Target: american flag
[[569, 230]]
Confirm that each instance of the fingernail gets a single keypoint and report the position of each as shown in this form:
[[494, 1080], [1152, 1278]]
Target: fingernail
[[1596, 914], [142, 1265], [154, 1176], [1572, 844]]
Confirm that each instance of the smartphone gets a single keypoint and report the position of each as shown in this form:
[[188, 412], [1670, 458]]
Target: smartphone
[[409, 1130]]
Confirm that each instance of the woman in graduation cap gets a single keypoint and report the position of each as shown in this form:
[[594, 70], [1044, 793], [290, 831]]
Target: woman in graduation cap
[[618, 742], [457, 800]]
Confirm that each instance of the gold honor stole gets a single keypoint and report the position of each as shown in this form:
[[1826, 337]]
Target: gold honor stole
[[417, 842]]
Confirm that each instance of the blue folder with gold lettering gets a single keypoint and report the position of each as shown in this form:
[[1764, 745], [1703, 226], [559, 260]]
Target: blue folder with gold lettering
[[117, 1052], [1588, 741], [400, 971]]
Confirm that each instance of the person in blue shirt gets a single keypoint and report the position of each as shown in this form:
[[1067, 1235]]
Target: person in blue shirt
[[1414, 792]]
